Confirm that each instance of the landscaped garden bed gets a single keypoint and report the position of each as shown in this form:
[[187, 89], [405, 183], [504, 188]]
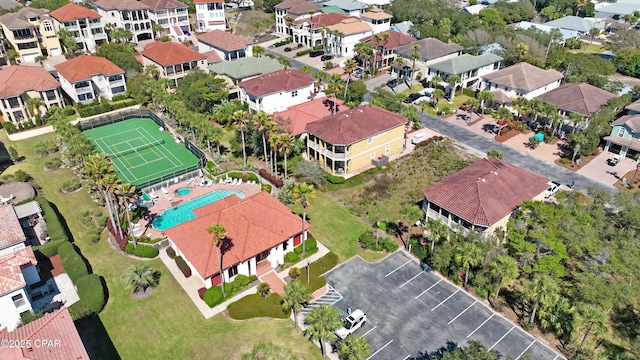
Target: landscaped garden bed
[[213, 296]]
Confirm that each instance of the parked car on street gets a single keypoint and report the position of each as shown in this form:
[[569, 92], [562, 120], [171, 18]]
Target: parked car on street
[[326, 57], [411, 98], [359, 73], [425, 98], [351, 323], [554, 187], [392, 83], [316, 53]]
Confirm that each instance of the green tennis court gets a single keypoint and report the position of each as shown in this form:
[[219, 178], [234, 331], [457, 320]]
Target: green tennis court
[[142, 154]]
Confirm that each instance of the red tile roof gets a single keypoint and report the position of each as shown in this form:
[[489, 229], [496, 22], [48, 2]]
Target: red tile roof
[[120, 5], [16, 80], [295, 119], [224, 40], [320, 20], [170, 53], [155, 5], [486, 191], [207, 1], [580, 98], [11, 265], [281, 80], [253, 225], [52, 337], [10, 231], [297, 7], [73, 11], [81, 68], [353, 125], [212, 56], [394, 40]]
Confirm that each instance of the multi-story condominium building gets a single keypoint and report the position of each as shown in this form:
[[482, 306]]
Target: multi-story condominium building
[[31, 33], [172, 15], [85, 78], [277, 91], [346, 34], [128, 14], [19, 83], [291, 10], [313, 30], [210, 15], [173, 60], [84, 24], [379, 20]]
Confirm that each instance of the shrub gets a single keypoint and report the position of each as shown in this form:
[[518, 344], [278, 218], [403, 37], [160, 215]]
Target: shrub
[[49, 249], [70, 185], [310, 245], [182, 265], [303, 52], [294, 273], [335, 179], [488, 111], [242, 281], [213, 295], [263, 289], [329, 65], [267, 188], [45, 147], [283, 42], [92, 297], [318, 47], [119, 97], [55, 228], [72, 261], [145, 251], [468, 92], [256, 306], [287, 49], [293, 256], [272, 179], [21, 176], [68, 110], [93, 234], [53, 164], [564, 161], [201, 292], [171, 253], [419, 250], [9, 127], [387, 244]]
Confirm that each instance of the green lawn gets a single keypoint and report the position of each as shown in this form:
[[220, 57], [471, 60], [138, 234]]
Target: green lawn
[[336, 228], [166, 325], [590, 49]]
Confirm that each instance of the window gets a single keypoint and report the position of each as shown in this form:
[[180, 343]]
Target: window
[[370, 140], [621, 131], [115, 77], [81, 84], [13, 102], [50, 94], [87, 96], [294, 93], [285, 245], [200, 16], [47, 26], [18, 300], [117, 90], [387, 149], [372, 156], [233, 271]]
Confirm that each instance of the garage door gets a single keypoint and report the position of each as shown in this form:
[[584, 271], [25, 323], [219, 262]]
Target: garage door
[[55, 51], [30, 57]]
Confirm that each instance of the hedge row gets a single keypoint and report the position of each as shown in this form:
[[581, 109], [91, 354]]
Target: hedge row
[[335, 179], [104, 107], [73, 263], [270, 178], [92, 297], [283, 42], [213, 295], [244, 176], [255, 306], [171, 253], [182, 265], [49, 249], [55, 229], [303, 52]]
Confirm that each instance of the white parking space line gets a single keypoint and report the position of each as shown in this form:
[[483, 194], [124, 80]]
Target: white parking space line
[[408, 281], [370, 330], [503, 336], [429, 288], [377, 351], [527, 348], [463, 311], [398, 268], [408, 356], [479, 326], [556, 357], [445, 300]]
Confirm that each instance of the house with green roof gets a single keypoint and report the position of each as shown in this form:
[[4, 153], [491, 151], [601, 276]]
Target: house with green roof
[[243, 69], [468, 67], [350, 7]]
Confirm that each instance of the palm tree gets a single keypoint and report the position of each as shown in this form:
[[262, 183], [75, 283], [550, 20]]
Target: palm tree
[[438, 231], [286, 144], [257, 51], [100, 171], [521, 105], [522, 50], [40, 59], [285, 62], [33, 105], [125, 194], [637, 158], [157, 29], [121, 34], [295, 294], [321, 324], [576, 118], [140, 277], [152, 71], [398, 61], [305, 192], [364, 51], [593, 32], [288, 21], [505, 268], [263, 289], [381, 40], [592, 320], [261, 122], [437, 95], [542, 290], [223, 112], [219, 234], [273, 146], [435, 80], [349, 66], [12, 55], [503, 115], [335, 85], [307, 69], [467, 256], [354, 348], [453, 81], [415, 55], [241, 120], [485, 96]]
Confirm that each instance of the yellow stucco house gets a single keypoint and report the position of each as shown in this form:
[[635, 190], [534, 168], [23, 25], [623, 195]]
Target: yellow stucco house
[[31, 33], [353, 139]]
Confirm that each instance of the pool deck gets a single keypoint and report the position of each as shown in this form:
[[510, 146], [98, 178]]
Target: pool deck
[[169, 200]]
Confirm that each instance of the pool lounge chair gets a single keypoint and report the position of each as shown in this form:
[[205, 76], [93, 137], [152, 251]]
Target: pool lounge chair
[[239, 182], [153, 195], [165, 190], [209, 183]]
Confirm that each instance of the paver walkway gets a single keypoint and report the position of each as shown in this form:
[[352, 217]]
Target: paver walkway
[[275, 281]]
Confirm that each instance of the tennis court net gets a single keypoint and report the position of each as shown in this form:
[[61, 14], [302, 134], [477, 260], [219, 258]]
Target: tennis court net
[[138, 148]]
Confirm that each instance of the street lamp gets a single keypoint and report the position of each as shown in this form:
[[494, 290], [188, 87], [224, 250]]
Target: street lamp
[[307, 271]]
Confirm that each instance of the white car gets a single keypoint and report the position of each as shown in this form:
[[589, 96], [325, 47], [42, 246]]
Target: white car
[[425, 98], [351, 323], [552, 190]]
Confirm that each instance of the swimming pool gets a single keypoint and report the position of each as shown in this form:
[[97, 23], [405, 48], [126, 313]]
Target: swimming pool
[[184, 212], [183, 191]]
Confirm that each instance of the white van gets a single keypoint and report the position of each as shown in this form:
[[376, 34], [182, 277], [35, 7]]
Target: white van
[[419, 138]]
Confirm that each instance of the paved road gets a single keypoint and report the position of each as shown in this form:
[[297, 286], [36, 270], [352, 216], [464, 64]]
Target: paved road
[[294, 63], [516, 157]]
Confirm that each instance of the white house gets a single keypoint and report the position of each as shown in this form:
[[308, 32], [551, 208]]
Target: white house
[[521, 80], [311, 30], [172, 15], [173, 60], [210, 15], [346, 34], [86, 78], [20, 83], [131, 15], [84, 24], [470, 68], [228, 46], [378, 20], [277, 91], [292, 10], [17, 271], [260, 230]]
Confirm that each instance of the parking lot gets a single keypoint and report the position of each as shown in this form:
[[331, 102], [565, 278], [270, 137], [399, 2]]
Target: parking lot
[[412, 312]]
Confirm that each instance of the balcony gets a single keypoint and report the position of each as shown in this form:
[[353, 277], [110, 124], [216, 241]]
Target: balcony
[[329, 153]]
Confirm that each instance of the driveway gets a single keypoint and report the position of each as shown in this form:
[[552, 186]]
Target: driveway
[[600, 170], [412, 311]]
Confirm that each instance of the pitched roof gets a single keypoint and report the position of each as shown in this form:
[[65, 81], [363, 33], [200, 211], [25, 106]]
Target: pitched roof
[[634, 106], [18, 19], [579, 98], [207, 1], [350, 26], [10, 232], [8, 4], [430, 48], [170, 53], [73, 11], [402, 27], [57, 326], [296, 118], [465, 62], [120, 5], [332, 9], [320, 20], [155, 5], [281, 80], [11, 277], [82, 68], [632, 121], [395, 39], [523, 76], [619, 8], [17, 79], [212, 57], [253, 225], [224, 40], [353, 125], [297, 7], [376, 14], [574, 23], [348, 5], [485, 191], [501, 97], [246, 67]]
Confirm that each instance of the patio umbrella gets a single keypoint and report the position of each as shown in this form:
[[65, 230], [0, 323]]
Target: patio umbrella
[[539, 136]]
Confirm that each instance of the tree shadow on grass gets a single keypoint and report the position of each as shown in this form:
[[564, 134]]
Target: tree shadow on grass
[[96, 339], [626, 322]]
